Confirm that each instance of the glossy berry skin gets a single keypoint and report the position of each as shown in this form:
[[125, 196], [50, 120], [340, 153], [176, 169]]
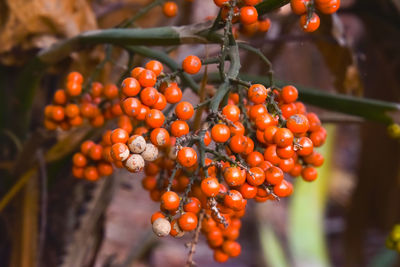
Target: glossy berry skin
[[220, 256], [184, 110], [188, 221], [130, 87], [328, 7], [192, 205], [191, 64], [210, 186], [305, 146], [187, 157], [248, 191], [159, 137], [283, 137], [257, 93], [170, 201], [309, 25], [220, 3], [299, 7], [238, 143], [256, 176], [248, 15], [220, 133], [232, 248], [309, 174], [231, 112], [179, 128], [264, 25], [233, 199], [147, 78], [170, 9], [119, 136], [173, 94], [298, 124], [283, 189], [274, 175], [131, 106], [234, 176], [149, 96], [155, 118], [285, 152], [155, 66], [289, 94]]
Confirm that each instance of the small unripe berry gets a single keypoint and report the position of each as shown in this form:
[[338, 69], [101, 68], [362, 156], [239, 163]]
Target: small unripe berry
[[161, 227], [134, 163], [150, 153]]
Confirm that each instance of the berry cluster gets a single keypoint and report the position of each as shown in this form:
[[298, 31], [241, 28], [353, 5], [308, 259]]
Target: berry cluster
[[203, 177], [393, 241], [72, 105], [309, 20]]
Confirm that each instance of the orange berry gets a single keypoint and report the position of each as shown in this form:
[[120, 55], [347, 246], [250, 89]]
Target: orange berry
[[104, 169], [74, 89], [298, 124], [155, 118], [149, 96], [96, 89], [173, 94], [119, 152], [110, 91], [257, 93], [274, 175], [264, 25], [155, 66], [233, 200], [119, 136], [75, 77], [170, 201], [79, 160], [130, 87], [283, 189], [188, 221], [187, 157], [210, 186], [220, 3], [72, 110], [248, 15], [159, 137], [231, 112], [289, 94], [57, 113], [170, 9], [309, 25], [184, 110], [238, 143], [309, 174], [256, 176], [147, 78], [161, 102], [220, 133], [95, 152], [283, 137], [90, 173], [191, 64], [234, 176], [135, 72], [299, 7], [60, 97], [179, 128], [131, 106]]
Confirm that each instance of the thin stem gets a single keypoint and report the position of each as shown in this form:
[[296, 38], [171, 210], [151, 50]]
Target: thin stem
[[140, 13]]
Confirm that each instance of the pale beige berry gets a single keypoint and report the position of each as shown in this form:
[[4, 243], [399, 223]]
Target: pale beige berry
[[134, 163], [150, 153], [137, 144], [161, 227]]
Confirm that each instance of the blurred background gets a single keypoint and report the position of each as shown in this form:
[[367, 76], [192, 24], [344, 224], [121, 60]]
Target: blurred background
[[342, 219]]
